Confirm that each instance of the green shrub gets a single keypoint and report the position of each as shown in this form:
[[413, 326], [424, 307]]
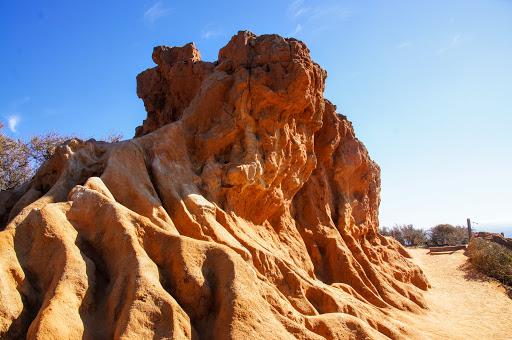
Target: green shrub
[[407, 235], [448, 235], [491, 259]]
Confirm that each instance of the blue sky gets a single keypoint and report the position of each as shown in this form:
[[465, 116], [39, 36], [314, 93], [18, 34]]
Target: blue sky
[[427, 84]]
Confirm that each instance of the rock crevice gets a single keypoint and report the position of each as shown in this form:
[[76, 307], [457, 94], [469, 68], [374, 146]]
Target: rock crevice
[[245, 207]]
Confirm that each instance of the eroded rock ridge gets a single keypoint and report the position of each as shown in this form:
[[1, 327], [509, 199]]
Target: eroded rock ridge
[[244, 208]]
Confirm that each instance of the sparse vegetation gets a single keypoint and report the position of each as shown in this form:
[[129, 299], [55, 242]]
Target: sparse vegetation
[[20, 159], [406, 234], [440, 235], [446, 234], [491, 259]]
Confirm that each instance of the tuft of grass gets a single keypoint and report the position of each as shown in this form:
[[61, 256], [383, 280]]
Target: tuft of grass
[[491, 259]]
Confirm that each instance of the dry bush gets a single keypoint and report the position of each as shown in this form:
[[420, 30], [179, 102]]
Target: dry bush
[[407, 235], [491, 259], [19, 160], [113, 137], [440, 235], [448, 235], [15, 166], [412, 236], [42, 147]]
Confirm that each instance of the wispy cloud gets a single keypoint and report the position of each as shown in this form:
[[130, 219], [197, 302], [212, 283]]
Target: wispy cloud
[[311, 13], [335, 12], [297, 30], [210, 31], [405, 44], [455, 40], [50, 112], [13, 121], [14, 115], [298, 9], [156, 12], [18, 102]]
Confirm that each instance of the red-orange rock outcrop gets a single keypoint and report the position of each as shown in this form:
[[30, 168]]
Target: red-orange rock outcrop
[[244, 208], [496, 238]]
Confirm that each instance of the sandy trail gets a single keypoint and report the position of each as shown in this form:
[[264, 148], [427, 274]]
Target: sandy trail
[[463, 304]]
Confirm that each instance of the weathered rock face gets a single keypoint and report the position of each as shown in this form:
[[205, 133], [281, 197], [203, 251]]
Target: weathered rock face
[[246, 208], [496, 238]]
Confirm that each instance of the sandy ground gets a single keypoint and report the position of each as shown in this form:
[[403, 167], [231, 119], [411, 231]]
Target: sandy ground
[[463, 304]]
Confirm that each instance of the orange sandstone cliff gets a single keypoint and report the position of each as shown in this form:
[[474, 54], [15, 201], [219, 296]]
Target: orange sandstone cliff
[[244, 208]]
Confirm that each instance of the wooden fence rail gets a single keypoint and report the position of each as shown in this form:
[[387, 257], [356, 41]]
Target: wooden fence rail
[[445, 249]]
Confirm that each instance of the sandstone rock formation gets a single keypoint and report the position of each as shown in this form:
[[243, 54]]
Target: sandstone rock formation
[[245, 208], [496, 238]]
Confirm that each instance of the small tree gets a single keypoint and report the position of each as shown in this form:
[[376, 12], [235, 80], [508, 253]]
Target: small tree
[[19, 160], [412, 236], [384, 231], [398, 234], [42, 147], [446, 234], [394, 232], [407, 235], [113, 137], [15, 167]]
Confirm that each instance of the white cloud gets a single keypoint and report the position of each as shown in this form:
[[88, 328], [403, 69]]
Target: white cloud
[[14, 113], [455, 40], [333, 11], [210, 31], [317, 15], [297, 30], [13, 122], [156, 12], [50, 112], [316, 18], [405, 44], [301, 11], [297, 9], [19, 102]]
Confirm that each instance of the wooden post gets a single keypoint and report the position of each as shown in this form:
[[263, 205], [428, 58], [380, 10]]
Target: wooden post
[[469, 230]]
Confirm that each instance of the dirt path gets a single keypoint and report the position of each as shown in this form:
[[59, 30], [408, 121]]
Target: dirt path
[[463, 304]]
